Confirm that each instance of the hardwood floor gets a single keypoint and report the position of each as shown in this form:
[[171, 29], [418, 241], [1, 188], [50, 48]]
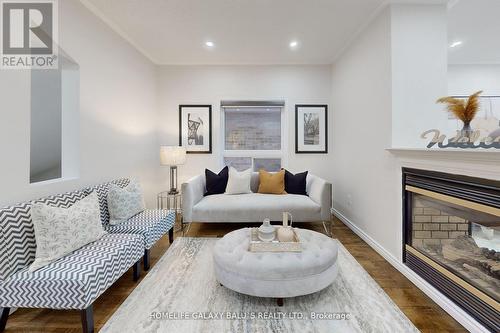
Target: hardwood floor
[[420, 309]]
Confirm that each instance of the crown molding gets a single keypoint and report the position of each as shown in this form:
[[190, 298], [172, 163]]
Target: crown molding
[[452, 3], [376, 13], [110, 23], [350, 40]]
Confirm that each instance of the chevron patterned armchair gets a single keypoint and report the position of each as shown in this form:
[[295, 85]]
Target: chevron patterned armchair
[[151, 224], [78, 279]]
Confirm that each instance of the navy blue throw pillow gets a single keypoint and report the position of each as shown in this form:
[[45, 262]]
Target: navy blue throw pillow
[[216, 183], [295, 184]]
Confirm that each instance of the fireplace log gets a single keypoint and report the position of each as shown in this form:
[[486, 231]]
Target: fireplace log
[[464, 250], [477, 274]]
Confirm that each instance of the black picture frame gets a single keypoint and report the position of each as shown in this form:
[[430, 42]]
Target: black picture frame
[[300, 106], [209, 109]]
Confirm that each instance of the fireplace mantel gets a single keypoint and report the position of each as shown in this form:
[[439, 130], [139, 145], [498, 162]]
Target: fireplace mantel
[[471, 162]]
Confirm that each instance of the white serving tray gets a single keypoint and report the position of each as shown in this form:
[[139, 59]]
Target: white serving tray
[[256, 245]]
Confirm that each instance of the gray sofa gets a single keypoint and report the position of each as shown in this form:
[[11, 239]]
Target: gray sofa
[[255, 207], [78, 279]]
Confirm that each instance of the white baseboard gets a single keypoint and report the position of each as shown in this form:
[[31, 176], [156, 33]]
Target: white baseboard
[[453, 310]]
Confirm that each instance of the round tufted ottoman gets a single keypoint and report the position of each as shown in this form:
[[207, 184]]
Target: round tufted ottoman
[[275, 274]]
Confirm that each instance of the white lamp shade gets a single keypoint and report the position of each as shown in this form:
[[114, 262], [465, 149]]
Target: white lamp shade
[[172, 155]]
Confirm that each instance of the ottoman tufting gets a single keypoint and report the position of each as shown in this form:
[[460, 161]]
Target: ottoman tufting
[[275, 274]]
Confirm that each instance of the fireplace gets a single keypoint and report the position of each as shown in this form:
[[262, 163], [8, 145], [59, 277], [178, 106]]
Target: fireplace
[[451, 228]]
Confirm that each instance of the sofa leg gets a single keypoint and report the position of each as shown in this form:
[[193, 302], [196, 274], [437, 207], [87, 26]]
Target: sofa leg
[[4, 312], [182, 225], [146, 260], [87, 316], [185, 226], [328, 230], [137, 270], [171, 236]]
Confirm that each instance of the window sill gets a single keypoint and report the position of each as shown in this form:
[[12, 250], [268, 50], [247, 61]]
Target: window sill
[[53, 181]]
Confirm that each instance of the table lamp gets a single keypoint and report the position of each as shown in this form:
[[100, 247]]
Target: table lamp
[[172, 156]]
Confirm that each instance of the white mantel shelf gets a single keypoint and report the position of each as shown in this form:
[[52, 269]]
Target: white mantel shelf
[[473, 162], [466, 155]]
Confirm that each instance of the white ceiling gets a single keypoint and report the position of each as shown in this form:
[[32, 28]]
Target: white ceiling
[[259, 31], [244, 31], [477, 24]]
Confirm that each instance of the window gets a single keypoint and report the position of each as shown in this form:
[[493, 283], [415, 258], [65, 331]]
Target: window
[[253, 135], [239, 163], [269, 164]]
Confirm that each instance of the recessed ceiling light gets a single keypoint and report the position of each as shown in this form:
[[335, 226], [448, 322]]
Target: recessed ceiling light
[[456, 43], [209, 44], [293, 44]]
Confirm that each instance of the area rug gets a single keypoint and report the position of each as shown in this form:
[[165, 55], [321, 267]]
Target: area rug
[[180, 294]]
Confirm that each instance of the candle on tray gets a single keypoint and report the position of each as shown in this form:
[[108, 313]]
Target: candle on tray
[[285, 233]]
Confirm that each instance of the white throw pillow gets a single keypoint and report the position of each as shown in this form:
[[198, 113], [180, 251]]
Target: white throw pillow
[[123, 203], [60, 231], [239, 182]]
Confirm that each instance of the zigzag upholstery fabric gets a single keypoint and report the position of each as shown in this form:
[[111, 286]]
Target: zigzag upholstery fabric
[[64, 200], [102, 192], [152, 224], [17, 247], [76, 280], [18, 239]]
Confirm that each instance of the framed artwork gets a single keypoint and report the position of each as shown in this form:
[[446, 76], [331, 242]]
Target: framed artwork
[[311, 129], [195, 128]]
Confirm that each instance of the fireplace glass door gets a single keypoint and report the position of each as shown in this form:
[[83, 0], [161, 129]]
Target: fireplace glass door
[[465, 239]]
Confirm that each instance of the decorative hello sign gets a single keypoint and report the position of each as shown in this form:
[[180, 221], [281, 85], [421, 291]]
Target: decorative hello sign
[[464, 109], [459, 140]]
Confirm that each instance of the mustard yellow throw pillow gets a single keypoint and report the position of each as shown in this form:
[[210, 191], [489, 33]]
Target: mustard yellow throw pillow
[[272, 183]]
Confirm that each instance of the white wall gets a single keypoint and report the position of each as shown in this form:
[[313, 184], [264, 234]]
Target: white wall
[[118, 112], [384, 90], [384, 93], [419, 47], [366, 177], [364, 174], [464, 80], [211, 84]]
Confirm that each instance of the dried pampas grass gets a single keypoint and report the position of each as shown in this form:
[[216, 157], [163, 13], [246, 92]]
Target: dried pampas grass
[[465, 110]]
